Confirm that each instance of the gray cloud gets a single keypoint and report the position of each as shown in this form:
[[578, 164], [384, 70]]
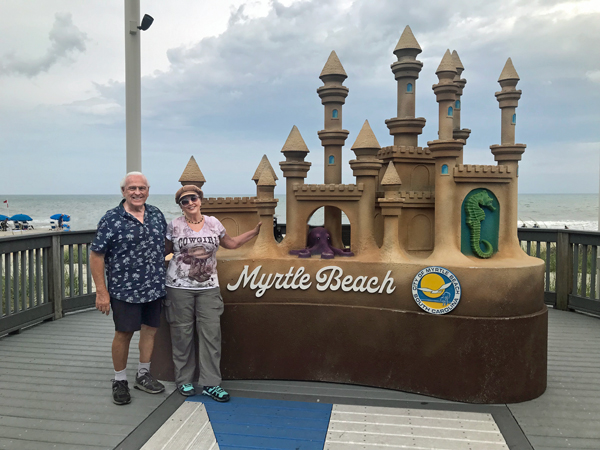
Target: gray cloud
[[230, 98], [65, 39]]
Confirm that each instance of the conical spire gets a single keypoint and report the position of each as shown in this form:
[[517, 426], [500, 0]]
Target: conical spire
[[192, 173], [447, 64], [294, 142], [366, 138], [457, 61], [391, 177], [509, 72], [266, 179], [333, 66], [408, 41], [264, 164]]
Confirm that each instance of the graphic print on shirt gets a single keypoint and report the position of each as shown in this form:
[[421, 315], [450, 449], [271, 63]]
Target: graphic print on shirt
[[194, 263]]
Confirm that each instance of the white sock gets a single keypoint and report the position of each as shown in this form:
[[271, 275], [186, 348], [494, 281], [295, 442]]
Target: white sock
[[121, 375], [143, 367]]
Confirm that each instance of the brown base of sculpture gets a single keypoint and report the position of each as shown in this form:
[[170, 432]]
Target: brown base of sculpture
[[477, 360]]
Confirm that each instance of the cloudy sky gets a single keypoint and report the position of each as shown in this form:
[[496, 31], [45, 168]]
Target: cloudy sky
[[225, 81]]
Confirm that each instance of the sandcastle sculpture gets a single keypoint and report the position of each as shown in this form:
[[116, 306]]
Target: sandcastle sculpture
[[439, 297]]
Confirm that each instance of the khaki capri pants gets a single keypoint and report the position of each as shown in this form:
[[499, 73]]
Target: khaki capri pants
[[185, 308]]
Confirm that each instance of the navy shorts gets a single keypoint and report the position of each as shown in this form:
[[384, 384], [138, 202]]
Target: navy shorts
[[129, 317]]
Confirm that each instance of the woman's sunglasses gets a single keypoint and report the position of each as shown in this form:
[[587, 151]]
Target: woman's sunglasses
[[186, 200]]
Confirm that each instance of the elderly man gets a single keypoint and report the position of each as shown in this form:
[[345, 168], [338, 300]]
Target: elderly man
[[129, 246]]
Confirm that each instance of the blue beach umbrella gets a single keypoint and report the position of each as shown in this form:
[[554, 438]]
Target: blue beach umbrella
[[20, 218], [66, 217], [3, 217]]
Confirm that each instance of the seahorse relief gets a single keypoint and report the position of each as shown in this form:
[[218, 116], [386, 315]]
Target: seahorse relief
[[474, 216]]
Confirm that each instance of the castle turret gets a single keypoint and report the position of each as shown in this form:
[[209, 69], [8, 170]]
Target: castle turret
[[295, 170], [192, 174], [333, 96], [457, 133], [265, 205], [445, 94], [391, 207], [366, 168], [264, 164], [447, 152], [405, 127], [508, 153]]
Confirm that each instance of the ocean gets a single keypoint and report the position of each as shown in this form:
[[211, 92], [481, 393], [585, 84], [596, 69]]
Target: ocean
[[575, 211]]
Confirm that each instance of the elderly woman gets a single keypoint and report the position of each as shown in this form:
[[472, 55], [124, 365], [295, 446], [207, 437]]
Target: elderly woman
[[193, 293]]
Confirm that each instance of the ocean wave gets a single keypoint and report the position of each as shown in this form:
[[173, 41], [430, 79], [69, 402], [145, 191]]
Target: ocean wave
[[560, 224]]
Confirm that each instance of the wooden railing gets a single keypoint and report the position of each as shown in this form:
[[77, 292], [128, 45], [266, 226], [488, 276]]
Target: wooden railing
[[571, 280], [43, 276]]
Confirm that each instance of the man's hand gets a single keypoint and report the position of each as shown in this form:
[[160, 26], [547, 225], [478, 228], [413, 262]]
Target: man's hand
[[103, 302]]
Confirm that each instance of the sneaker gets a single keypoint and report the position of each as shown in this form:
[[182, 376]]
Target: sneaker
[[216, 393], [120, 391], [147, 383], [187, 390]]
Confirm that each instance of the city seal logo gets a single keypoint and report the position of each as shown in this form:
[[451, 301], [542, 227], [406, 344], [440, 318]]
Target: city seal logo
[[436, 290]]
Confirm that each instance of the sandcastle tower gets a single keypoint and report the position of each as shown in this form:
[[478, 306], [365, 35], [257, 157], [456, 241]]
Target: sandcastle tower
[[295, 170], [508, 153], [457, 132], [333, 96], [366, 169], [446, 151], [405, 127], [391, 208], [265, 202]]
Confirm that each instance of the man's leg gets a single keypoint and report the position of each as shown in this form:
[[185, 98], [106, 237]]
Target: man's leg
[[120, 349], [144, 380], [127, 318], [146, 343], [120, 352]]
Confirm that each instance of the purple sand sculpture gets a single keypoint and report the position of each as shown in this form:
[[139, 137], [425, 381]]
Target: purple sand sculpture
[[319, 243]]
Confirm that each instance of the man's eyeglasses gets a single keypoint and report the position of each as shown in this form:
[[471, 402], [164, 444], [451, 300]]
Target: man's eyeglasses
[[186, 200], [137, 188]]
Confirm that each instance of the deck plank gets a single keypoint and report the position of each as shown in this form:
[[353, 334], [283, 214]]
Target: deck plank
[[566, 415], [188, 427], [55, 388]]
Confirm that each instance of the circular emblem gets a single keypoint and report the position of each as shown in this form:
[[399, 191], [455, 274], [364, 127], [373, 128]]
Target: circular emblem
[[436, 290]]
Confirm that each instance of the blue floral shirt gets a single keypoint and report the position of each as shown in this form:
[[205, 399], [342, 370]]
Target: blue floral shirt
[[133, 253]]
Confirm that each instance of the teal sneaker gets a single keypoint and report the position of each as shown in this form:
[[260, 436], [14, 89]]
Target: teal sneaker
[[187, 390], [216, 393]]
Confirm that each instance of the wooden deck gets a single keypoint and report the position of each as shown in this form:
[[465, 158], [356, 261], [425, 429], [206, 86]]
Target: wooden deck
[[55, 392]]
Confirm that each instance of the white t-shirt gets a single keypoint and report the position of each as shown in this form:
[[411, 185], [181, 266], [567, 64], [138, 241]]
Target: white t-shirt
[[194, 263]]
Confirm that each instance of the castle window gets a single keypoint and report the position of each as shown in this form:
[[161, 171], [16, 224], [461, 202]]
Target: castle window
[[514, 119], [334, 114], [450, 111], [445, 169], [457, 104], [409, 87], [332, 159]]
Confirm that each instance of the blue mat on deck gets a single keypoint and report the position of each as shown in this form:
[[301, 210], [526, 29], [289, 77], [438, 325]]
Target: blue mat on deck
[[248, 423]]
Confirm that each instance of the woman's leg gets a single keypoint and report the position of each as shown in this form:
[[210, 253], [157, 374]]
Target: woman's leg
[[179, 311], [209, 308]]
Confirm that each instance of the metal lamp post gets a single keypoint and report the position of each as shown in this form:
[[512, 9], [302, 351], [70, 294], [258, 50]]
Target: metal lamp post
[[133, 73]]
